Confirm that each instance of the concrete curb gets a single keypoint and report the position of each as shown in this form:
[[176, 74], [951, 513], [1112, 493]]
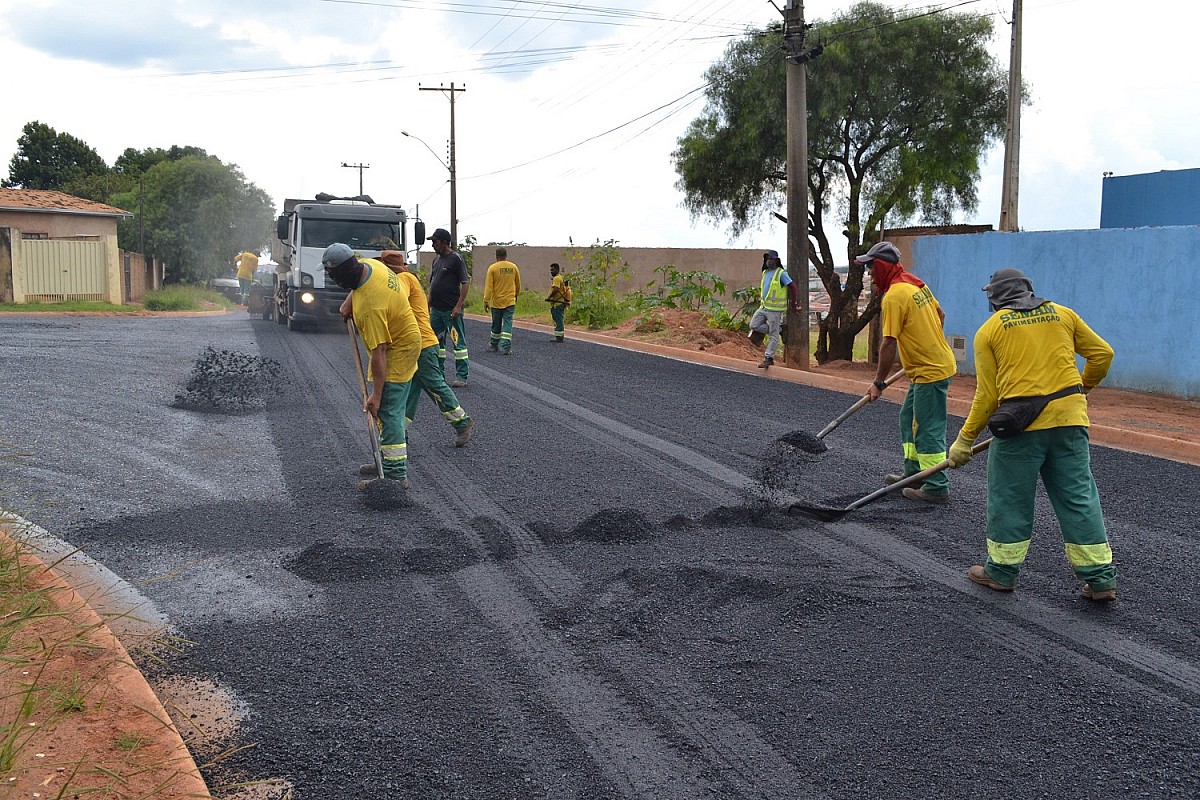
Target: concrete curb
[[127, 688], [1166, 447]]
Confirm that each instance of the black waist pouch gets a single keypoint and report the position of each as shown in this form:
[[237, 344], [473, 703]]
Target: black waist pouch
[[1017, 413]]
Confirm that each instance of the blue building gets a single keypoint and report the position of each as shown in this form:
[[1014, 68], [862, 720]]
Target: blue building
[[1153, 199]]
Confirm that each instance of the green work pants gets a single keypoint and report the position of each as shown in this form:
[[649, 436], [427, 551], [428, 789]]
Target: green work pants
[[502, 328], [1062, 458], [558, 312], [441, 322], [923, 433], [393, 446], [430, 379]]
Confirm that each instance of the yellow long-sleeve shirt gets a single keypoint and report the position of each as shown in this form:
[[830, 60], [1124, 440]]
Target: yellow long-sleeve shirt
[[502, 285], [247, 265], [1032, 353]]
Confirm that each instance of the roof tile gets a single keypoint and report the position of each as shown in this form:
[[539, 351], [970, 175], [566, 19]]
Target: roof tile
[[49, 199]]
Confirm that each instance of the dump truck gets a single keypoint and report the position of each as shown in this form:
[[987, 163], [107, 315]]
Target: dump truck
[[304, 297]]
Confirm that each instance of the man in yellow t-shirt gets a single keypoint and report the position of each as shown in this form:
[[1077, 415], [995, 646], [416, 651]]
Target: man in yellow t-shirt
[[1027, 348], [247, 265], [389, 330], [558, 298], [912, 331], [500, 290]]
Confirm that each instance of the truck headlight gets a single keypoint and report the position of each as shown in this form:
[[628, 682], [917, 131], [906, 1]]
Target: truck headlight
[[308, 298]]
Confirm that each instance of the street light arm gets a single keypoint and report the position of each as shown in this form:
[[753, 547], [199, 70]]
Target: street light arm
[[427, 147]]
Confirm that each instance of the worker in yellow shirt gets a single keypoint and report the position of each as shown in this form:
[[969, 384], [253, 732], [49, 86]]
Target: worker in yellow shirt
[[558, 298], [912, 332], [500, 290], [389, 330], [1026, 351], [247, 265]]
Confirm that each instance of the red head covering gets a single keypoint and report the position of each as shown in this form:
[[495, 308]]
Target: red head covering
[[885, 273]]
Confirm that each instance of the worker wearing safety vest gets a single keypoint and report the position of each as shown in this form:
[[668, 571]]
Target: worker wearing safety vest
[[775, 290]]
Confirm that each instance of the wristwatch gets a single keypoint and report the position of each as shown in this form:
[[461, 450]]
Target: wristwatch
[[881, 385]]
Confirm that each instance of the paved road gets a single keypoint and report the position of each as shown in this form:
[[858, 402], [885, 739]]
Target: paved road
[[598, 598]]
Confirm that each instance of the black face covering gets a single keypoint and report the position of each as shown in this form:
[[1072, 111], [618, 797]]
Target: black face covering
[[346, 274]]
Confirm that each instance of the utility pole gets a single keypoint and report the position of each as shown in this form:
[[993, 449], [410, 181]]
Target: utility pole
[[142, 217], [1012, 134], [797, 341], [453, 167], [360, 168]]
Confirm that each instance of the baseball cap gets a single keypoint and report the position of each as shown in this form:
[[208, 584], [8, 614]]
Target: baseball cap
[[335, 254], [884, 251], [440, 233]]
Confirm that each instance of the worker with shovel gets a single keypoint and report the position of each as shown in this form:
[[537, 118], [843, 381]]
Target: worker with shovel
[[389, 330], [1030, 394], [775, 290], [912, 330]]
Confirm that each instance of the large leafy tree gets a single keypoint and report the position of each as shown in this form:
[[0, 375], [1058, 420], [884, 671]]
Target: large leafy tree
[[47, 159], [198, 212], [900, 112]]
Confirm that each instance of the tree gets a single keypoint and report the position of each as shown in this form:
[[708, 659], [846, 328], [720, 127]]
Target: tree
[[137, 162], [198, 213], [900, 114], [47, 159]]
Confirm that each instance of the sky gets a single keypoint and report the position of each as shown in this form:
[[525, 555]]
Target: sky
[[570, 113]]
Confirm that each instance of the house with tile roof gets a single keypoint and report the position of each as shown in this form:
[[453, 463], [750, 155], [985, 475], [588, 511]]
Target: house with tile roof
[[56, 247]]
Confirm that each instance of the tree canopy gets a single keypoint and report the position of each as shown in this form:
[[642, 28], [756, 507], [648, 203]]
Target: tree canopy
[[47, 159], [198, 212], [900, 113]]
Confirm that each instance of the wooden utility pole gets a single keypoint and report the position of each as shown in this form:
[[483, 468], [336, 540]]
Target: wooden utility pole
[[360, 168], [453, 167], [797, 342], [1012, 135]]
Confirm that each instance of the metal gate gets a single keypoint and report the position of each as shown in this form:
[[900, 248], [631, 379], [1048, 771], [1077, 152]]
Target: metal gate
[[56, 270]]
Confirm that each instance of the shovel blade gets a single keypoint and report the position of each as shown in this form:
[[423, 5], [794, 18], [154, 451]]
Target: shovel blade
[[819, 513]]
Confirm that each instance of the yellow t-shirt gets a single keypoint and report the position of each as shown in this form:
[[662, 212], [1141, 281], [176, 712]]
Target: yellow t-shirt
[[247, 266], [558, 290], [383, 316], [502, 285], [910, 316], [1032, 353], [416, 301]]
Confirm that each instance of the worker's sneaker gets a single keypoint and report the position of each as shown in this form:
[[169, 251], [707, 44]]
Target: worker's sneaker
[[979, 575], [495, 348], [464, 435], [766, 362], [893, 477], [1099, 595], [364, 485], [457, 384], [506, 351], [757, 337], [369, 470], [912, 493], [558, 338]]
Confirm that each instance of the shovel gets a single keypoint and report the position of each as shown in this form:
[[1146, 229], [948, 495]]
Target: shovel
[[813, 444], [362, 381], [827, 514]]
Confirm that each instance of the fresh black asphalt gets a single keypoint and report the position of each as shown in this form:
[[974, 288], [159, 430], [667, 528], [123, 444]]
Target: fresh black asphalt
[[601, 596]]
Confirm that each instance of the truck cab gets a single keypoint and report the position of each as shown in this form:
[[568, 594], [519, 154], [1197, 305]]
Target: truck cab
[[304, 296]]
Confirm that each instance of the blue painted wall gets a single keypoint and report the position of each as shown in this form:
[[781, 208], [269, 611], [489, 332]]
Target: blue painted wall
[[1134, 286], [1156, 198]]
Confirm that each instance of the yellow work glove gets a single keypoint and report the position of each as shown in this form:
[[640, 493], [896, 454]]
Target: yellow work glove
[[960, 452]]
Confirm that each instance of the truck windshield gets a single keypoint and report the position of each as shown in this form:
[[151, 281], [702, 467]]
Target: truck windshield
[[358, 235]]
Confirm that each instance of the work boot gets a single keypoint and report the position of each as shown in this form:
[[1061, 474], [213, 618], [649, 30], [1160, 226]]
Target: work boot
[[757, 337], [364, 485], [494, 347], [464, 435], [979, 575], [369, 470], [457, 384], [1099, 595], [912, 493], [893, 477], [766, 362]]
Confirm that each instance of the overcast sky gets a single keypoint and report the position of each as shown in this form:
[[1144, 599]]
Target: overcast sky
[[570, 112]]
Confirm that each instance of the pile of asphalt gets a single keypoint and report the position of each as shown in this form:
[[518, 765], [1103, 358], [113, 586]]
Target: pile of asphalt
[[229, 382]]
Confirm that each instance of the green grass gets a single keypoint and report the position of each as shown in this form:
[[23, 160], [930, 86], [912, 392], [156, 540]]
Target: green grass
[[69, 305], [182, 297]]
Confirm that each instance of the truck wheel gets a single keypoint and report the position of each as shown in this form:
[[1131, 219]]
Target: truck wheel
[[292, 324], [280, 317]]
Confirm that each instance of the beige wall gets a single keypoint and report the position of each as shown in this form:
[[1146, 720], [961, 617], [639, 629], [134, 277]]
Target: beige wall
[[58, 224]]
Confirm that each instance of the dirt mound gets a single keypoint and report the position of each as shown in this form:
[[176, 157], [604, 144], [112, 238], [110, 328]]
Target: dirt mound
[[687, 329]]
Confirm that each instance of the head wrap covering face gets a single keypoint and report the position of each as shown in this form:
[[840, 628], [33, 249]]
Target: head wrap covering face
[[885, 273], [1009, 288]]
